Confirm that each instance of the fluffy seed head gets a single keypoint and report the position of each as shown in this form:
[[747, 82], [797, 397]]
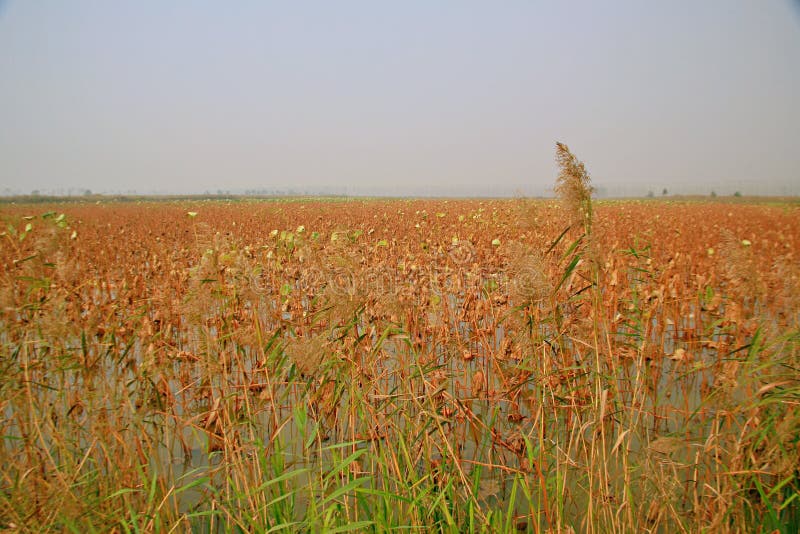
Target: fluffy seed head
[[573, 186]]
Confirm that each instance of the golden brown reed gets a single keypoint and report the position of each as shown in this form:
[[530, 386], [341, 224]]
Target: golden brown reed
[[573, 187], [309, 354], [529, 282], [401, 340]]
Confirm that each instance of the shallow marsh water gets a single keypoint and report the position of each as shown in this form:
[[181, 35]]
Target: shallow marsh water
[[395, 364]]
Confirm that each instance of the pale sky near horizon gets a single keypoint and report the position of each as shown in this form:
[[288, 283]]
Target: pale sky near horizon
[[454, 97]]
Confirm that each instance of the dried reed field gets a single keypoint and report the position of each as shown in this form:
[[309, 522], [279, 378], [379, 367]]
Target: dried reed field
[[330, 365]]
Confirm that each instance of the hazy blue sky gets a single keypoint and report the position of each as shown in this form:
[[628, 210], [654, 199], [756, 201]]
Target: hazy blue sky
[[415, 96]]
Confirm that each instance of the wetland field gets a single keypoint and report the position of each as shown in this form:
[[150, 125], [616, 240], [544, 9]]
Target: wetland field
[[330, 365]]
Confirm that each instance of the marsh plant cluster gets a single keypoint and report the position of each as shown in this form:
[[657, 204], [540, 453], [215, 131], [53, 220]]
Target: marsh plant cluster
[[376, 365]]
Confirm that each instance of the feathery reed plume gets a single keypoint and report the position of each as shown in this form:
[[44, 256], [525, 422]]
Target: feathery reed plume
[[574, 188], [308, 355], [530, 283]]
